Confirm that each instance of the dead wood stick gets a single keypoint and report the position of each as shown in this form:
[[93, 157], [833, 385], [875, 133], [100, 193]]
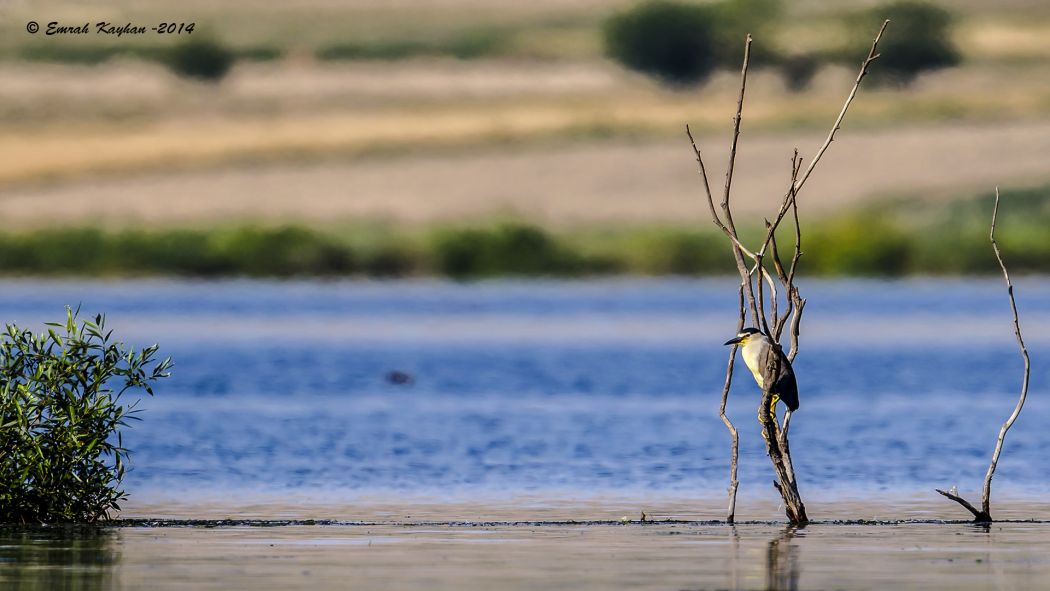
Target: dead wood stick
[[984, 515], [735, 448]]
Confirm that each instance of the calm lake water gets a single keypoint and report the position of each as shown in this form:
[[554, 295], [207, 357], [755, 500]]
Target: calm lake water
[[554, 401], [280, 388]]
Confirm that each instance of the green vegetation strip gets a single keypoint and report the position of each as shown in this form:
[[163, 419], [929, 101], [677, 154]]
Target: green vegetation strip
[[892, 238]]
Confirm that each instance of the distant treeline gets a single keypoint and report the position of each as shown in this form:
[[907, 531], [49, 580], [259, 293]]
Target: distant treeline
[[891, 239], [681, 42], [676, 41]]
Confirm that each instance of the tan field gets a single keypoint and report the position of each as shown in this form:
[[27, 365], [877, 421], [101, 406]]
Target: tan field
[[561, 136], [562, 183], [438, 142]]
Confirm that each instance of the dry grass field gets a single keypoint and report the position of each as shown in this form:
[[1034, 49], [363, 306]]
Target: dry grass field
[[551, 132], [562, 183]]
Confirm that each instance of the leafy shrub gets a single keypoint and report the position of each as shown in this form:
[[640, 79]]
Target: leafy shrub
[[919, 40], [674, 42], [201, 58], [61, 452]]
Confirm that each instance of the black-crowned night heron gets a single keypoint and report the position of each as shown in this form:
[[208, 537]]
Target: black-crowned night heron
[[756, 349]]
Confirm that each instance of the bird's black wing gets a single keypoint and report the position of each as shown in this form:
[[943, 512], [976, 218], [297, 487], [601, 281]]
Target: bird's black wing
[[786, 387]]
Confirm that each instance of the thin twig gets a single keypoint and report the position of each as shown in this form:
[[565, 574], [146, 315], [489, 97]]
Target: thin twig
[[735, 452], [872, 56], [738, 247], [726, 210], [984, 515], [736, 134], [961, 501], [703, 175], [1024, 354]]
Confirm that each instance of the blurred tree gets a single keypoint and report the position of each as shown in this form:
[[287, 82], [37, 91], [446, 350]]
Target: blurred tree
[[684, 43], [920, 40], [671, 41], [734, 19], [201, 58]]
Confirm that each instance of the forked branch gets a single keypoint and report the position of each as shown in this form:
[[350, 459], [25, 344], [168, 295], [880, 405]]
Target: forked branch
[[755, 279], [984, 515]]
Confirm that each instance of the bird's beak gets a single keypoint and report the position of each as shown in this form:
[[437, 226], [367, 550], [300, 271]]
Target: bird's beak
[[734, 341]]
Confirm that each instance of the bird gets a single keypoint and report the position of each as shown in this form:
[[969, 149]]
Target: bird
[[756, 348]]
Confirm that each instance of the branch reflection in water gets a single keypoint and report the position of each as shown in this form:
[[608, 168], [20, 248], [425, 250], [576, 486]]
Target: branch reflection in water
[[782, 564]]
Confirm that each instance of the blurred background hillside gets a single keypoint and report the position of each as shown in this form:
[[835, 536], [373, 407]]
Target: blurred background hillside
[[473, 138]]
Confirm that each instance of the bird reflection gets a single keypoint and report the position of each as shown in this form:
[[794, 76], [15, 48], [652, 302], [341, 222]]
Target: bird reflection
[[782, 568]]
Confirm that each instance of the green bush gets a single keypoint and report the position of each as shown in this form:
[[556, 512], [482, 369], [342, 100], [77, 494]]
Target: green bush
[[509, 249], [918, 40], [61, 452], [674, 42], [201, 58], [681, 252], [283, 251], [858, 245]]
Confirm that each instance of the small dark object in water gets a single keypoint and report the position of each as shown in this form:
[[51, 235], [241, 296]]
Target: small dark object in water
[[399, 378]]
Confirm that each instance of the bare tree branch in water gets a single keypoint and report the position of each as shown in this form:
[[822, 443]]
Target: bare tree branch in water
[[984, 514], [755, 281]]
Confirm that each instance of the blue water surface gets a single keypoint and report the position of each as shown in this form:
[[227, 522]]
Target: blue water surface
[[609, 386]]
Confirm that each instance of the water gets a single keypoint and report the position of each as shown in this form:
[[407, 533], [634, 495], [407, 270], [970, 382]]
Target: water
[[557, 403], [280, 389]]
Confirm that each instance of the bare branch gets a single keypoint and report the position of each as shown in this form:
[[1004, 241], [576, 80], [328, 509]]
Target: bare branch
[[735, 451], [703, 175], [976, 513], [726, 210], [798, 235], [1024, 355], [984, 515], [872, 56], [796, 320], [736, 134], [785, 447], [777, 445], [777, 448]]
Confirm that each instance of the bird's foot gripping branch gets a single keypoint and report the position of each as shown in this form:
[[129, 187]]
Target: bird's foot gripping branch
[[61, 452], [767, 361]]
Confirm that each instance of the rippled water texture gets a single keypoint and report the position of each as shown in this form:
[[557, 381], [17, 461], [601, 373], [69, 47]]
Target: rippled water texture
[[281, 388]]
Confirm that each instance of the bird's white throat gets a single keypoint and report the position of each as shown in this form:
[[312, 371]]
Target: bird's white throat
[[751, 352]]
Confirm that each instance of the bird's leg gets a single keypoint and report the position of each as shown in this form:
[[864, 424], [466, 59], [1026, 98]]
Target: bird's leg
[[773, 406]]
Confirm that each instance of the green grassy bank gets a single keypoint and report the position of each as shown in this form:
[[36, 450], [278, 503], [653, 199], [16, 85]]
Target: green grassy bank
[[893, 238]]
